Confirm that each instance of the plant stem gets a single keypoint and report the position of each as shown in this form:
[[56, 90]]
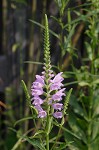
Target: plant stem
[[47, 141], [47, 132], [58, 135]]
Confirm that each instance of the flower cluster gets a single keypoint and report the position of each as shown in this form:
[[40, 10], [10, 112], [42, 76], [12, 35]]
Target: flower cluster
[[53, 96], [47, 88]]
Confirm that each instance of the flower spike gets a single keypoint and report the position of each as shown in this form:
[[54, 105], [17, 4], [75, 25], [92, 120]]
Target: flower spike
[[48, 85]]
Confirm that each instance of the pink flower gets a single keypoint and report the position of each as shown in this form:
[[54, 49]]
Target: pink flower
[[58, 78], [56, 82], [58, 114], [57, 106], [37, 101], [39, 108], [37, 91], [42, 114], [58, 95], [37, 85], [40, 79], [56, 86]]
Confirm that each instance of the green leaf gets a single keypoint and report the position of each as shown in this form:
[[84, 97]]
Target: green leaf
[[73, 122], [34, 62], [23, 119], [68, 40], [28, 97], [75, 144], [95, 129], [35, 143], [71, 133], [57, 20], [84, 83], [17, 144], [70, 83], [89, 50], [9, 128], [76, 107], [37, 133], [67, 101], [82, 18], [96, 63], [96, 104], [40, 25], [95, 82], [61, 146], [95, 143], [26, 92]]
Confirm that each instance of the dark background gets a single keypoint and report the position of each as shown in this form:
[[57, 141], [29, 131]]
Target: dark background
[[20, 41]]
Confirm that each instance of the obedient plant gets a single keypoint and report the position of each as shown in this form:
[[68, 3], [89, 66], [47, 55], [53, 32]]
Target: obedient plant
[[47, 93], [43, 87], [48, 86]]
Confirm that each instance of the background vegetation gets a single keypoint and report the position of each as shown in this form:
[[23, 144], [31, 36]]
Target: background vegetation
[[74, 41]]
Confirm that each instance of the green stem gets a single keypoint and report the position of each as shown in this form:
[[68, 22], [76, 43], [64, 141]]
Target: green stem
[[47, 141], [58, 135], [47, 132], [48, 127]]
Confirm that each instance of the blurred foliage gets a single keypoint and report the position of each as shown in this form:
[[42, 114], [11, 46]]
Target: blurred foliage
[[76, 41]]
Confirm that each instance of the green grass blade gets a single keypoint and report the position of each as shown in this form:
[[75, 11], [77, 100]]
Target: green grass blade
[[40, 25], [21, 120]]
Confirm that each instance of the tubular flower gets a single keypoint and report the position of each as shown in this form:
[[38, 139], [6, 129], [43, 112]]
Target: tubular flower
[[37, 86], [58, 95], [55, 86], [37, 100], [47, 89], [57, 114], [57, 106], [56, 82], [41, 112]]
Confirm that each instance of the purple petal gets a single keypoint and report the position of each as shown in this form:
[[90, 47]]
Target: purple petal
[[57, 106], [60, 92], [58, 114], [58, 95], [40, 79], [57, 78], [37, 85], [56, 86], [38, 107], [38, 91], [37, 101], [42, 114]]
